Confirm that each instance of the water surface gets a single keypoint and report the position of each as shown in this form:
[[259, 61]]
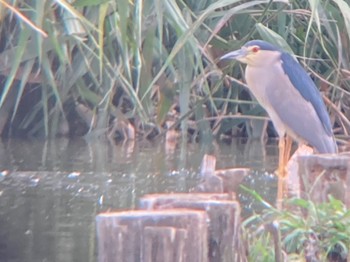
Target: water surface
[[51, 191]]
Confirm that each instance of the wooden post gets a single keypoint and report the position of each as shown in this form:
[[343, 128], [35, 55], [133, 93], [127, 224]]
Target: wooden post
[[223, 218], [219, 181], [127, 236], [321, 175]]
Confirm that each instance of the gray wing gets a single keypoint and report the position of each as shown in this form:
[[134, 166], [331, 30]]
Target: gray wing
[[306, 87], [300, 115]]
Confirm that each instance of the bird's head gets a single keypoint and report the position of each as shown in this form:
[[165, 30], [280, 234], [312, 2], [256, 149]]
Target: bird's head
[[255, 53]]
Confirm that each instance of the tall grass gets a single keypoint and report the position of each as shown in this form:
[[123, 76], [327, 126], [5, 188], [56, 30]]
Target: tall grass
[[92, 66]]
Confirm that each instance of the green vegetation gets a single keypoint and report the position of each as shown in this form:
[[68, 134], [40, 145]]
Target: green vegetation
[[303, 231], [109, 67]]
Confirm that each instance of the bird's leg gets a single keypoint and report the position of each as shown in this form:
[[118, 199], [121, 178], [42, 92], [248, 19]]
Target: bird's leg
[[281, 170], [284, 146], [281, 156], [287, 150]]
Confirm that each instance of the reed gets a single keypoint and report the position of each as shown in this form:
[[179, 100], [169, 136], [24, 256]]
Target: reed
[[152, 62]]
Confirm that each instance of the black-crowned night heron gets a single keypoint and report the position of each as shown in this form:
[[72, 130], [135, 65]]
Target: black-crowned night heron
[[289, 96]]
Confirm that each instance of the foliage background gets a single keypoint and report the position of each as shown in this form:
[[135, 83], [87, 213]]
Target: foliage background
[[126, 67]]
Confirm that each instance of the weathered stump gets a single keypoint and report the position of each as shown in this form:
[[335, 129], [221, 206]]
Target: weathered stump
[[167, 235], [223, 218], [232, 178], [321, 175], [219, 181]]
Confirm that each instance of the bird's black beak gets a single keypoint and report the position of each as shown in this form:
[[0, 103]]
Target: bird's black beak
[[240, 53]]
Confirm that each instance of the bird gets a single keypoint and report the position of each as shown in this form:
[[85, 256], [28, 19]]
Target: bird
[[290, 97]]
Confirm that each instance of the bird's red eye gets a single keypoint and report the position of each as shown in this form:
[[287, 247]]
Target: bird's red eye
[[255, 49]]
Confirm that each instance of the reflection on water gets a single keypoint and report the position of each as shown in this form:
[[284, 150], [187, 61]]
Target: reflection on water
[[47, 213]]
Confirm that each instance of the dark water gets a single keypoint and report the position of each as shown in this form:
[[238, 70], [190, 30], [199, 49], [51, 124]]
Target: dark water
[[47, 213]]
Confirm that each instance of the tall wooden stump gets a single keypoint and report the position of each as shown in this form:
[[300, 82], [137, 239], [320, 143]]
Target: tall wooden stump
[[223, 218], [158, 236]]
